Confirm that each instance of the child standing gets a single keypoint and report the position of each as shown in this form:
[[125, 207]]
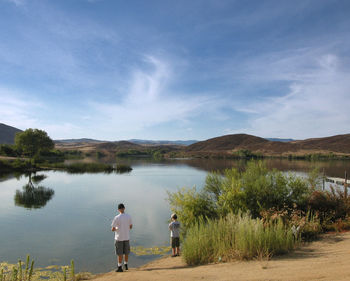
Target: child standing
[[174, 228]]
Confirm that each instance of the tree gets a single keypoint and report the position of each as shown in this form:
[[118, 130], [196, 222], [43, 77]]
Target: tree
[[33, 141]]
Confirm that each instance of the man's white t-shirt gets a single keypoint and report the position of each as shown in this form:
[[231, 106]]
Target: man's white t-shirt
[[122, 224]]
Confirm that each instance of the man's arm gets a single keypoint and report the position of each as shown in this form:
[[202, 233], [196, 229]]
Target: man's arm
[[130, 222], [114, 224]]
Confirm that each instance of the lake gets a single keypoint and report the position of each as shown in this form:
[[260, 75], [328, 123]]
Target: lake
[[72, 219]]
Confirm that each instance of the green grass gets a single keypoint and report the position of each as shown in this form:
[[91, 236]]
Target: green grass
[[235, 237]]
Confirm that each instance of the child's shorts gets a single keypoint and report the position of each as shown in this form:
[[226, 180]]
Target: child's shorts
[[175, 242]]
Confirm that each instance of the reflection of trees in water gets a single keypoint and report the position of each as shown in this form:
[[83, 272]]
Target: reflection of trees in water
[[31, 196], [332, 168]]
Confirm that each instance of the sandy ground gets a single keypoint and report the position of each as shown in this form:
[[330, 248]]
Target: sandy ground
[[326, 259]]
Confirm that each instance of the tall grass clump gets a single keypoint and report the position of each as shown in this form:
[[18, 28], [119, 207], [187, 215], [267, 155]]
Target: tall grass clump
[[235, 237]]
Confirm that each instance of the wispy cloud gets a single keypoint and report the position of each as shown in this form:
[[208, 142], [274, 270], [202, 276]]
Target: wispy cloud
[[58, 47], [19, 111], [16, 110], [316, 104], [148, 101], [16, 2]]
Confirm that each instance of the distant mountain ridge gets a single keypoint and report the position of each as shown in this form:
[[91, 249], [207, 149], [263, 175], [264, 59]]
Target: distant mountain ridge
[[82, 140], [163, 142], [226, 144], [281, 140], [7, 134], [135, 141]]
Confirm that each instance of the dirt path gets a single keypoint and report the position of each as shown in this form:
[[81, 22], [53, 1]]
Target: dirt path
[[326, 259]]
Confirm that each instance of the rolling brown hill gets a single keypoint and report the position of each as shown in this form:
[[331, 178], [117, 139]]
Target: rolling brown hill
[[228, 144], [338, 143]]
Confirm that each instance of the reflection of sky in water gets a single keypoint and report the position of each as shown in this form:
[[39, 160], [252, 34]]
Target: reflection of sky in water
[[75, 223]]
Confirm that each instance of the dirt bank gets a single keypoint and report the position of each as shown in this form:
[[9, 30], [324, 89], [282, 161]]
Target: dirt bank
[[326, 259]]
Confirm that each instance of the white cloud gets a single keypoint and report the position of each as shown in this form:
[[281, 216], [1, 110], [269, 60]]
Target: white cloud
[[17, 2], [316, 105], [16, 110], [148, 101], [22, 110]]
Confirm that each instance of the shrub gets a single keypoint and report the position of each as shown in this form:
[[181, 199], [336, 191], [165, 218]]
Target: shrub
[[8, 150], [191, 206], [253, 190], [330, 205], [120, 168], [306, 225], [88, 168]]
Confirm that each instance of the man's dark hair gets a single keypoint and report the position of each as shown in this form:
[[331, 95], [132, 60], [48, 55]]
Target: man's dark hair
[[121, 206], [174, 216]]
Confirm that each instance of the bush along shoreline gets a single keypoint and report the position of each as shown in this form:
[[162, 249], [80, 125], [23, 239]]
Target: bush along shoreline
[[256, 213], [30, 166]]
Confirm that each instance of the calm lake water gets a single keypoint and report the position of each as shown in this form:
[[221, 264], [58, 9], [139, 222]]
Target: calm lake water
[[74, 222]]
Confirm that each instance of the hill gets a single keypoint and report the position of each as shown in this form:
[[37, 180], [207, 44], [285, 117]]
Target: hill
[[83, 140], [226, 145], [228, 142], [163, 142], [135, 141], [338, 143], [7, 134]]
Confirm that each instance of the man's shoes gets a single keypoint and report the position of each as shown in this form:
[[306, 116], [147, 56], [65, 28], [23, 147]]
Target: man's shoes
[[126, 267], [120, 269], [173, 256]]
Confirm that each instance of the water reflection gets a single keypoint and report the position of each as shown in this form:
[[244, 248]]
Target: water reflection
[[331, 168], [32, 196]]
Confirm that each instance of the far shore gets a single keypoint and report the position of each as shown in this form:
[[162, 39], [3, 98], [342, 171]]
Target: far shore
[[325, 259]]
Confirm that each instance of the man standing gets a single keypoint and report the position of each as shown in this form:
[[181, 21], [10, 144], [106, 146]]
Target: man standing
[[121, 226]]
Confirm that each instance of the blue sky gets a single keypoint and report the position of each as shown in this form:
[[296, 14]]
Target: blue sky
[[113, 70]]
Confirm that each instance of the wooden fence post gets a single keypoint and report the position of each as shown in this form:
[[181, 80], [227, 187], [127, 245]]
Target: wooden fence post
[[345, 187], [323, 179]]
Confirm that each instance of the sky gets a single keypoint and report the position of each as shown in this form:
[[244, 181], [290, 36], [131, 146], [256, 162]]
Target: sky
[[175, 70]]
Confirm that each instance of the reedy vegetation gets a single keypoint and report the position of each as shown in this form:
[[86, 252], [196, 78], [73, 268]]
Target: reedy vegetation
[[252, 213], [27, 272], [235, 237]]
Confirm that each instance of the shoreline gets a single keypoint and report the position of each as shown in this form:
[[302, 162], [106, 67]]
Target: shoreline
[[324, 259]]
